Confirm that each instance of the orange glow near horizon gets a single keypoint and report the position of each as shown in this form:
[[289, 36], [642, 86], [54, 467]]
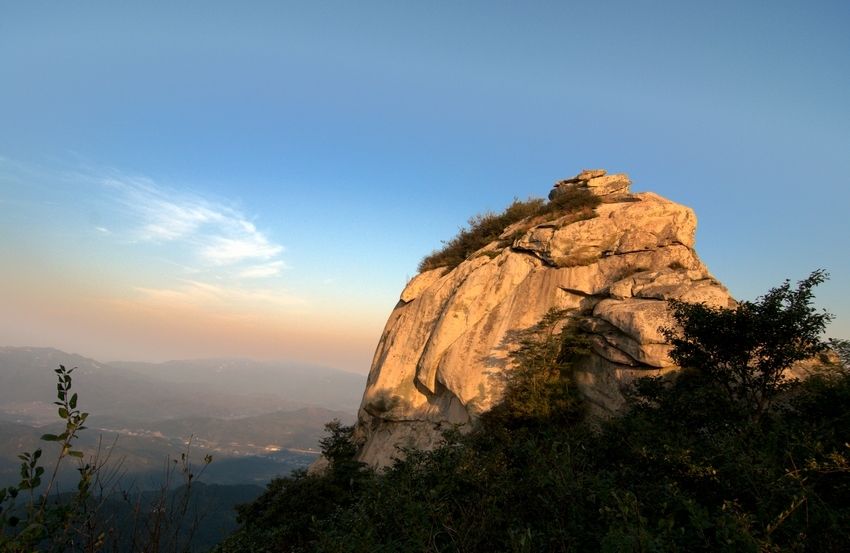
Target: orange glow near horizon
[[158, 325]]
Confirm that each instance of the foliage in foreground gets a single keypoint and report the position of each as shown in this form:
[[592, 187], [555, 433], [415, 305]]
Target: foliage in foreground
[[682, 470], [97, 516], [746, 350]]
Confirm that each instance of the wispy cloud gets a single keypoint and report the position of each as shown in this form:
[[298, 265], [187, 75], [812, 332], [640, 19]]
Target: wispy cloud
[[221, 235], [168, 248], [204, 294], [265, 270], [226, 251]]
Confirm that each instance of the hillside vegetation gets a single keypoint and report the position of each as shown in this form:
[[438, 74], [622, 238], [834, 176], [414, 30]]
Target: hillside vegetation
[[487, 227], [732, 455]]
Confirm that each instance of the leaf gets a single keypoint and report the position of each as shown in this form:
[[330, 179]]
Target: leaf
[[63, 412], [73, 401], [77, 454], [50, 437]]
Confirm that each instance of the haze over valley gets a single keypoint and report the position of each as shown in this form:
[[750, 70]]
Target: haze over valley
[[257, 419]]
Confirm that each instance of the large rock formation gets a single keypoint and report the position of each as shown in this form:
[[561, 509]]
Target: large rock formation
[[449, 337]]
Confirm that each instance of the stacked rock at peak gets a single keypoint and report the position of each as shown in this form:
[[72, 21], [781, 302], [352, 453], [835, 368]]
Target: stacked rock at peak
[[597, 181], [451, 335]]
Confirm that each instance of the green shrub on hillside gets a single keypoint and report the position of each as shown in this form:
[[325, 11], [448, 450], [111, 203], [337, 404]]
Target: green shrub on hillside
[[483, 229], [540, 387], [487, 227], [747, 350], [286, 516]]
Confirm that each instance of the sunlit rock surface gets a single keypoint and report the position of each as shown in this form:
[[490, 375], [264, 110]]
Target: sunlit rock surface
[[450, 336]]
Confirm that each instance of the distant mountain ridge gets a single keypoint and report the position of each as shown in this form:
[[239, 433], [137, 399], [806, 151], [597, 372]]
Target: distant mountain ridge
[[300, 384], [205, 387], [256, 419]]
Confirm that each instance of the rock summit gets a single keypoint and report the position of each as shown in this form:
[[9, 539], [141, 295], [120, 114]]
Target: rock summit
[[449, 337]]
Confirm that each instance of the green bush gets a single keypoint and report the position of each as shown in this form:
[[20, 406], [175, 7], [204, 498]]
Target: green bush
[[540, 387], [487, 227], [289, 515], [746, 351], [483, 229]]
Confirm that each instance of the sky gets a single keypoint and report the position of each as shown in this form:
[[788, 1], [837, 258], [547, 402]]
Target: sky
[[260, 179]]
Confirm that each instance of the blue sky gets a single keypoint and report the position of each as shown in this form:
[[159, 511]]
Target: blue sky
[[325, 147]]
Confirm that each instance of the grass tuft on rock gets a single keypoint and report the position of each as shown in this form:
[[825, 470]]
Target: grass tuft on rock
[[487, 227]]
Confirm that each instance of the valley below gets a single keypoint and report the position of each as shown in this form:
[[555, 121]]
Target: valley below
[[256, 420]]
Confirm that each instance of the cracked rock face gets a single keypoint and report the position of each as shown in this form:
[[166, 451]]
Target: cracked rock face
[[448, 339]]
